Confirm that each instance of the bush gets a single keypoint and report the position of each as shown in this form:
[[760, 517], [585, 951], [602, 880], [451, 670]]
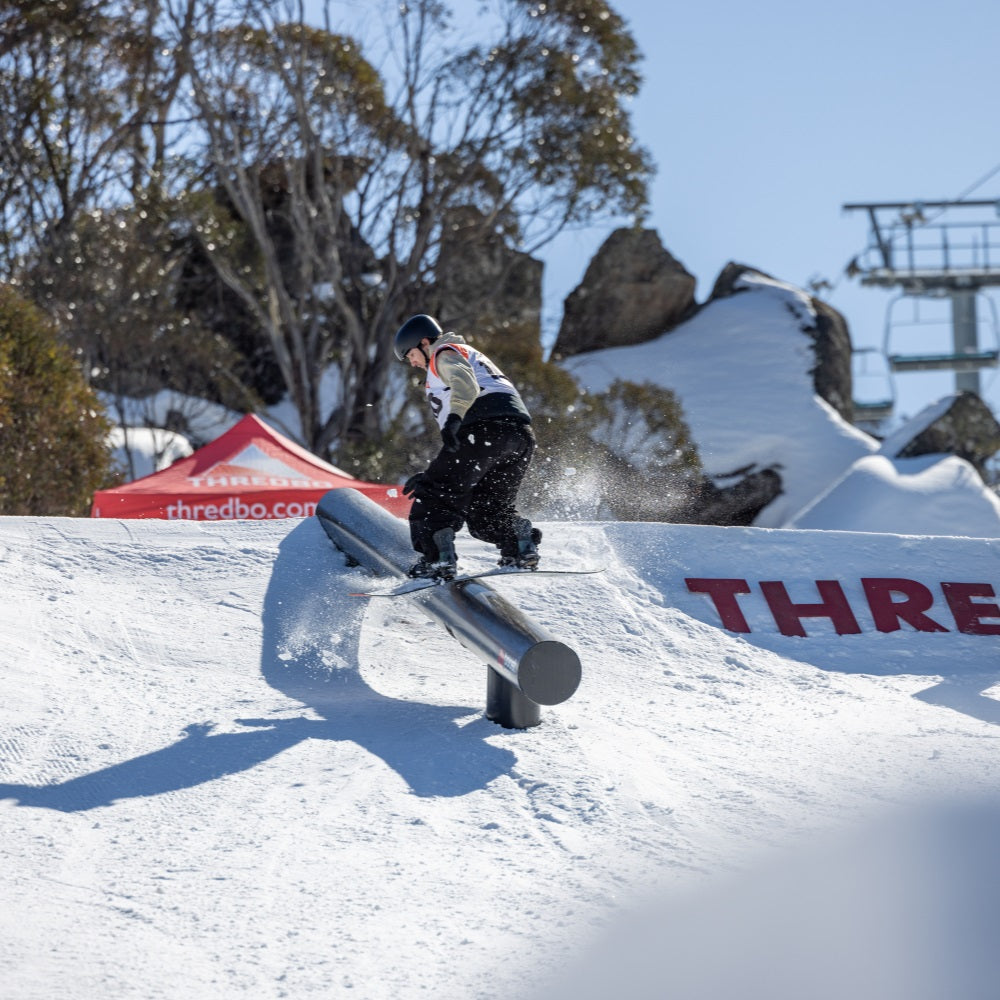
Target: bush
[[53, 452], [625, 454]]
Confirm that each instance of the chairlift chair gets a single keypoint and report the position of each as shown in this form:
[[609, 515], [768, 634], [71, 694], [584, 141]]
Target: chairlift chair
[[960, 361], [879, 407]]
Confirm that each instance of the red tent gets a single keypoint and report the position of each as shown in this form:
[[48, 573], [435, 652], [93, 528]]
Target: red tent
[[249, 473]]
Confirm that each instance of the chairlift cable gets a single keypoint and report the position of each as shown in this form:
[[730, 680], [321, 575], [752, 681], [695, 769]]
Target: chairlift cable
[[982, 180], [965, 194]]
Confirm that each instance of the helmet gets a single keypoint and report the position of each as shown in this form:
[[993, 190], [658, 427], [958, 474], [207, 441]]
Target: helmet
[[413, 331]]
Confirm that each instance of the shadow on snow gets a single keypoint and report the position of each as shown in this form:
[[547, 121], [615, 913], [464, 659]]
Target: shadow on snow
[[309, 652]]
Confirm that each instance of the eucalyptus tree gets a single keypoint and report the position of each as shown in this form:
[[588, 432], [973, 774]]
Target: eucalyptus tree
[[319, 165], [340, 165], [89, 185], [87, 91]]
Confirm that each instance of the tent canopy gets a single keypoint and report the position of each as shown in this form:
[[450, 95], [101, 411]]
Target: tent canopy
[[249, 473]]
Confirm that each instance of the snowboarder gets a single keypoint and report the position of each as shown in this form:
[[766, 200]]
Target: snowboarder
[[487, 444]]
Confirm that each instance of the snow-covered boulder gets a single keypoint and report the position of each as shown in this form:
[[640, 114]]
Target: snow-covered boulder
[[825, 327], [741, 368], [931, 495], [961, 424]]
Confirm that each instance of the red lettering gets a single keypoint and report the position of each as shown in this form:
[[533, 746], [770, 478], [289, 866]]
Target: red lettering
[[893, 602], [788, 616], [723, 595], [888, 613], [969, 614]]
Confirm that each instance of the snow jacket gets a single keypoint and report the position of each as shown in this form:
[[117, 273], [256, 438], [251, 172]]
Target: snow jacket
[[464, 381]]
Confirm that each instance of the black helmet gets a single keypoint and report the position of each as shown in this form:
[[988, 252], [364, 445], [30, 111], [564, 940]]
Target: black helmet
[[413, 331]]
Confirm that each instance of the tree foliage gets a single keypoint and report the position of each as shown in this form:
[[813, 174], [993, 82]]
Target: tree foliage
[[53, 454], [86, 92], [317, 171], [626, 454], [114, 294]]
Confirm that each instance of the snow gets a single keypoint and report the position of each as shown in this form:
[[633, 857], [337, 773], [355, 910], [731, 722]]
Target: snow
[[145, 450], [222, 776], [741, 370], [935, 490]]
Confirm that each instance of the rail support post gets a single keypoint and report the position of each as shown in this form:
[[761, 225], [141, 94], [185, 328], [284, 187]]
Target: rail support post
[[506, 706]]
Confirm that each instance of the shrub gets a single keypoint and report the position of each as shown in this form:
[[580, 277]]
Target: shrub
[[53, 451]]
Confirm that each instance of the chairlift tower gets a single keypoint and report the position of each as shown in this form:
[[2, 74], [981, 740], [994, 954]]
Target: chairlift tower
[[935, 250]]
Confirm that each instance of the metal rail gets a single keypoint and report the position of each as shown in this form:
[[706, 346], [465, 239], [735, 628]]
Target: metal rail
[[527, 667]]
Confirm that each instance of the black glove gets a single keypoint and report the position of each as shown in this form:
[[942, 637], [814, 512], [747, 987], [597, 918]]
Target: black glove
[[449, 433], [413, 486]]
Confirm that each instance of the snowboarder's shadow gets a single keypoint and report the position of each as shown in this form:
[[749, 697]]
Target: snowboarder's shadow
[[309, 652]]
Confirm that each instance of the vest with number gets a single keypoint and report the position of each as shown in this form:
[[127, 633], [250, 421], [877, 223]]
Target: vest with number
[[497, 399]]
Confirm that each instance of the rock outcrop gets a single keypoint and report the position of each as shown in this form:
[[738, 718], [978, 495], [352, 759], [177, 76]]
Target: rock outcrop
[[828, 331], [482, 281], [961, 425], [738, 504], [633, 290]]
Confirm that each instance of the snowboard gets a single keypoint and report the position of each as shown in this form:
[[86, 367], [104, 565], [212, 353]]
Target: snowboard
[[415, 586]]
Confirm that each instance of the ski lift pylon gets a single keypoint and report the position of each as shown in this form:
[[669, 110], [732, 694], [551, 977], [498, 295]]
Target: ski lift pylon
[[943, 255]]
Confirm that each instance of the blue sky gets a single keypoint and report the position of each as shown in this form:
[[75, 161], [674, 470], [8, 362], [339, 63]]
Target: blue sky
[[765, 118]]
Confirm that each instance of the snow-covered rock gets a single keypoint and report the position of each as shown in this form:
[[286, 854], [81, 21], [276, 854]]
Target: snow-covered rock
[[742, 370]]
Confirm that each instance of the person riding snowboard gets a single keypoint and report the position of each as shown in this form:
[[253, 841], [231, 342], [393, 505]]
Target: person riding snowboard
[[487, 444]]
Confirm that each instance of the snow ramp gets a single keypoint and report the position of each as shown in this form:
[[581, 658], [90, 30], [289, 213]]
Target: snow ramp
[[202, 738]]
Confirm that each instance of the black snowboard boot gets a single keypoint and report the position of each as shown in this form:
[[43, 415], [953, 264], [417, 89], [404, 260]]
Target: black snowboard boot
[[446, 563], [521, 550]]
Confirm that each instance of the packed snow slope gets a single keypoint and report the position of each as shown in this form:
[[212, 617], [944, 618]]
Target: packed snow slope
[[222, 776]]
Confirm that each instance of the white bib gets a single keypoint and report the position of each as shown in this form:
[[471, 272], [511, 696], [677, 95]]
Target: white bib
[[488, 377]]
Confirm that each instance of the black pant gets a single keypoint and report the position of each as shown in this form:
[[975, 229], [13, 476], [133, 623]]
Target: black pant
[[477, 485]]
